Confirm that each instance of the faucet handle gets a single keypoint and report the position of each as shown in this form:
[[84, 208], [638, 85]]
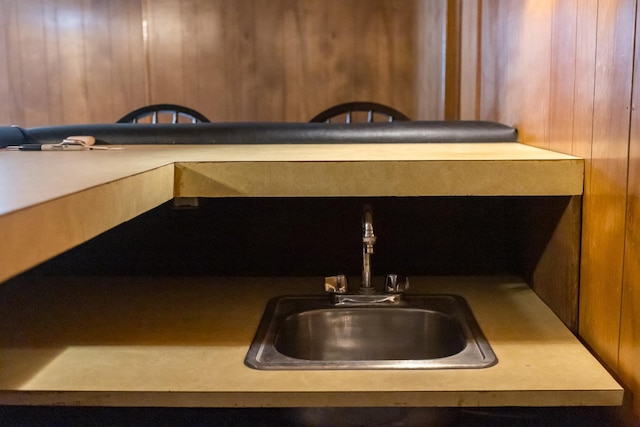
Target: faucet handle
[[336, 284], [395, 284]]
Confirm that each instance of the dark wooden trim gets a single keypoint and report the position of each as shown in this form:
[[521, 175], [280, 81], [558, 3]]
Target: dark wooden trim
[[452, 65]]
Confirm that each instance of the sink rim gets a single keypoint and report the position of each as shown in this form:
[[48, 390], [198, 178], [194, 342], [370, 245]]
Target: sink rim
[[263, 355]]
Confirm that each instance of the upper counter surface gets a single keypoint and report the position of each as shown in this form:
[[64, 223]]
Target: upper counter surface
[[66, 198], [29, 178]]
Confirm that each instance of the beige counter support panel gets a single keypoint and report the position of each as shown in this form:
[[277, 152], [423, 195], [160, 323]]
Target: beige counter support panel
[[379, 178], [34, 234]]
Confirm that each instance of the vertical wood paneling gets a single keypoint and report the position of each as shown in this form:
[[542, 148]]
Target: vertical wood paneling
[[268, 95], [629, 358], [403, 46], [66, 52], [470, 53], [281, 60], [515, 66], [340, 57], [112, 55], [605, 198], [128, 90], [431, 37], [495, 60], [534, 61], [584, 80], [204, 48], [97, 59], [587, 111], [522, 58], [7, 106], [167, 66], [305, 28], [526, 81], [82, 61], [27, 70], [452, 60], [54, 77], [240, 38], [70, 61], [374, 30], [285, 60], [562, 75]]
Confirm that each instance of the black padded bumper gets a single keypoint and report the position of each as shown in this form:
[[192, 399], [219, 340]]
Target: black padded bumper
[[267, 133]]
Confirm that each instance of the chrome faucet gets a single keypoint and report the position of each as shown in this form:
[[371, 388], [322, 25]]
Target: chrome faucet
[[368, 240], [394, 285]]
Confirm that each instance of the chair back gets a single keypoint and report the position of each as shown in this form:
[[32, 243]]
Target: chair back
[[164, 113], [359, 112]]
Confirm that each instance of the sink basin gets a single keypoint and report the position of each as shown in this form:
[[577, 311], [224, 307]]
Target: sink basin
[[421, 332], [369, 333]]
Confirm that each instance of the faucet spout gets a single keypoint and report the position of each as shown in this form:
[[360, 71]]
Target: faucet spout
[[368, 240]]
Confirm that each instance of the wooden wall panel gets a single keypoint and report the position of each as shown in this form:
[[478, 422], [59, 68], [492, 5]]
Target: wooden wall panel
[[575, 97], [25, 44], [309, 30], [535, 64], [470, 53], [521, 60], [164, 26], [384, 53], [98, 63], [562, 75], [510, 43], [5, 89], [605, 198], [584, 79], [431, 37], [268, 95], [281, 60], [515, 66], [108, 63], [68, 101], [80, 61], [128, 76], [71, 61], [452, 60], [239, 39], [491, 65], [527, 81], [629, 359]]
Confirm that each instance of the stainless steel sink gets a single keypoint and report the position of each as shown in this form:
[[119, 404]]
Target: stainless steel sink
[[420, 332]]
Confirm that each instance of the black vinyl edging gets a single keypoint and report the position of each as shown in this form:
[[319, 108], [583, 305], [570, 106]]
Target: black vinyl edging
[[266, 133]]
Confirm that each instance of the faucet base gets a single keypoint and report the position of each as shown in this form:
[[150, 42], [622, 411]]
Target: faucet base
[[367, 290], [366, 299]]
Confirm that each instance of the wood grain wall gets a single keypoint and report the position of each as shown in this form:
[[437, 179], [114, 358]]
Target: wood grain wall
[[629, 353], [88, 61], [562, 72]]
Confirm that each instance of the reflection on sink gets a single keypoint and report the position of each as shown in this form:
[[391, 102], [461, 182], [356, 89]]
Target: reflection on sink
[[421, 332], [369, 333]]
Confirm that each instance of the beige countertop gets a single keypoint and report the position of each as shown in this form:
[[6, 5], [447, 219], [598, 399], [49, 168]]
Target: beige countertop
[[182, 342], [53, 201]]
